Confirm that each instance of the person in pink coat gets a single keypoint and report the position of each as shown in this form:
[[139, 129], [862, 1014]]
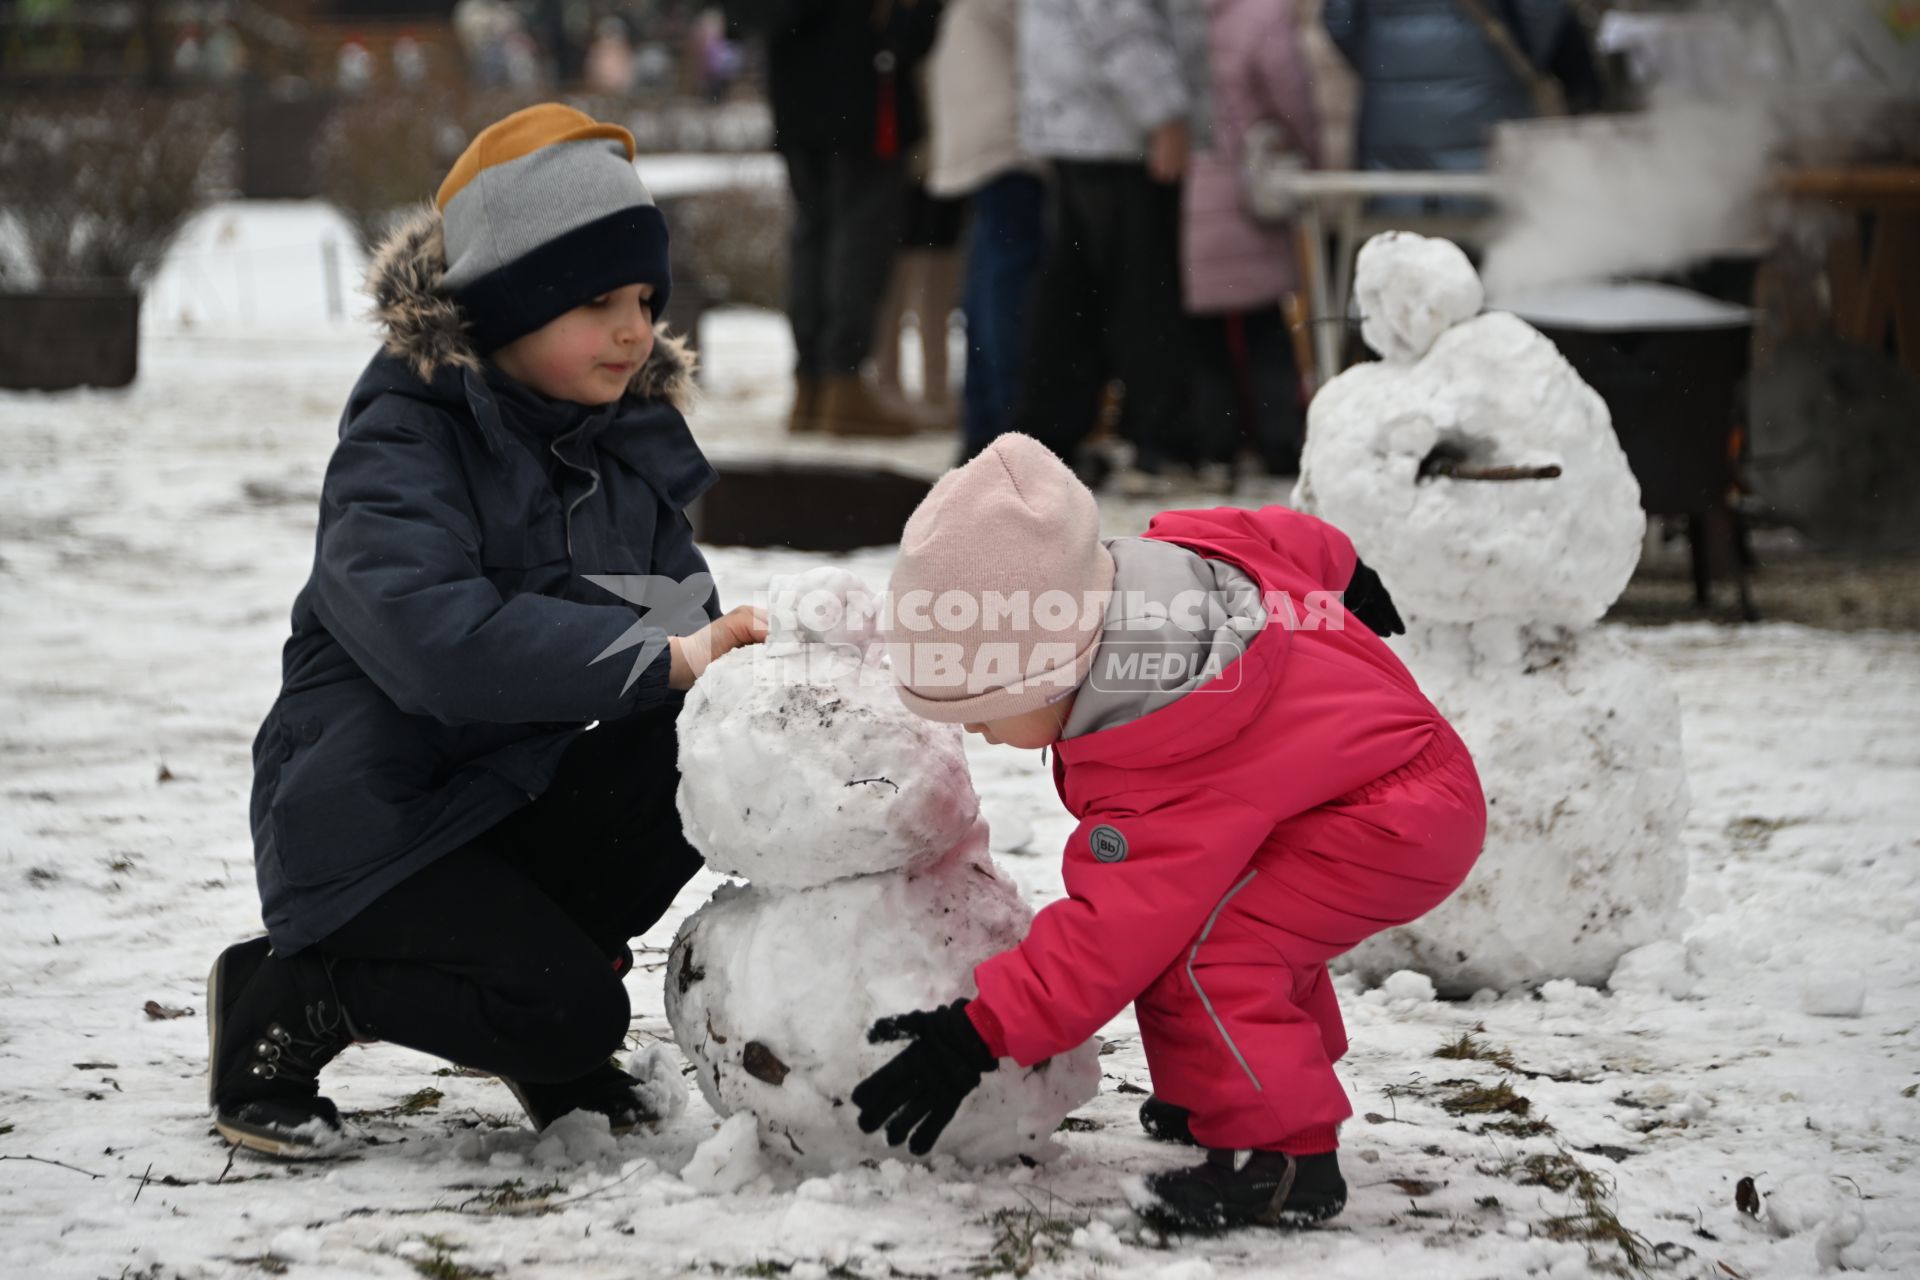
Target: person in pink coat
[[1236, 272], [1259, 784]]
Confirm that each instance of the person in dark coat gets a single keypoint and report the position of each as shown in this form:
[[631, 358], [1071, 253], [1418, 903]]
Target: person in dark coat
[[463, 803], [1433, 84], [841, 81]]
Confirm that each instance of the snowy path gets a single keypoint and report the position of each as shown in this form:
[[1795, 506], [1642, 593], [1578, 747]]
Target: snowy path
[[150, 545]]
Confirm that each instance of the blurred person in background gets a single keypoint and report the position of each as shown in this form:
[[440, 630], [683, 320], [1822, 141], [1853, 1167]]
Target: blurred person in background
[[973, 150], [716, 57], [1437, 75], [840, 78], [610, 58], [1112, 94], [925, 284], [481, 27], [1238, 272]]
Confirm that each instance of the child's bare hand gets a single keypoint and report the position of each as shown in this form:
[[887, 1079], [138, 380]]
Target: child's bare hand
[[693, 654]]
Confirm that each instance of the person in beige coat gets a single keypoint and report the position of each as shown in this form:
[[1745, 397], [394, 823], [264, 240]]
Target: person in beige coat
[[973, 142]]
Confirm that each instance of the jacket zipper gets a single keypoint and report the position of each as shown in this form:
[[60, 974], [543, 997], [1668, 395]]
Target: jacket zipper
[[591, 489]]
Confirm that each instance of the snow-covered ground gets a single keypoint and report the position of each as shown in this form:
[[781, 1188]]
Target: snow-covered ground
[[151, 541]]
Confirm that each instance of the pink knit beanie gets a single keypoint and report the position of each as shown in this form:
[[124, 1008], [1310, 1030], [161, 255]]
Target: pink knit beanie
[[1000, 592]]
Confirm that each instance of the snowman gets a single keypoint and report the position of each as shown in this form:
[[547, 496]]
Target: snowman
[[870, 891], [1481, 478]]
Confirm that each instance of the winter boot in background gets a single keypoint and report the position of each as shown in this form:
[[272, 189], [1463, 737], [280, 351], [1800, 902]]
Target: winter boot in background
[[1164, 1122], [805, 414], [606, 1090], [1248, 1189], [272, 1024], [849, 406]]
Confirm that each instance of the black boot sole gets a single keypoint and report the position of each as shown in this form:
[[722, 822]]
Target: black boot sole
[[271, 1142]]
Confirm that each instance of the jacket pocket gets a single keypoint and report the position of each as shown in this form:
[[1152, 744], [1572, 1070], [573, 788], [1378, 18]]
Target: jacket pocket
[[357, 781], [335, 831]]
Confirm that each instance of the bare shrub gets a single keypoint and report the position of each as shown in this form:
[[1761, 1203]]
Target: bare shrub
[[94, 187], [735, 239], [383, 154]]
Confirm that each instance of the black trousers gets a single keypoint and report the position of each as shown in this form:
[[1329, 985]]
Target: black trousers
[[847, 223], [1246, 388], [500, 956], [1107, 305]]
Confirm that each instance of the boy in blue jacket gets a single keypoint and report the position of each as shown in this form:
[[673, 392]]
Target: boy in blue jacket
[[463, 802]]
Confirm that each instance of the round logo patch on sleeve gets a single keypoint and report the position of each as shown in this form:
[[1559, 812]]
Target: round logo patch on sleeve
[[1107, 843]]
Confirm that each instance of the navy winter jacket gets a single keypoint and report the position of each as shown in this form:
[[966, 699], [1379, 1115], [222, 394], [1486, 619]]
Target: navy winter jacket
[[444, 649], [1432, 84]]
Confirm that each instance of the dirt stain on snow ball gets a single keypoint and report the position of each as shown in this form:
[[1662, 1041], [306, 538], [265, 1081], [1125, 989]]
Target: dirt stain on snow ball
[[763, 1064], [688, 972]]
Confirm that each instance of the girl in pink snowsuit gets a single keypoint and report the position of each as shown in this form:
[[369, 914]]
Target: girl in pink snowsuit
[[1260, 786]]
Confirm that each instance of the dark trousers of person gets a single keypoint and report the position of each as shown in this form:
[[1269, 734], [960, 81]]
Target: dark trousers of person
[[1107, 305], [847, 213], [500, 956], [1003, 251], [1246, 388]]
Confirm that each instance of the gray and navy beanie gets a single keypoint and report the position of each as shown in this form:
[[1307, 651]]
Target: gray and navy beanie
[[543, 212]]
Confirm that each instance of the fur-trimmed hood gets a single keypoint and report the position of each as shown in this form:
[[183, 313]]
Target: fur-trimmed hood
[[421, 323]]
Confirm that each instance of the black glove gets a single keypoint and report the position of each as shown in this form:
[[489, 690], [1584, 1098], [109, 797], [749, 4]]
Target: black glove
[[1366, 598], [922, 1088]]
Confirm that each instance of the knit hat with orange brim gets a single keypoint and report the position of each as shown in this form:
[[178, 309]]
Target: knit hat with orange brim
[[544, 212]]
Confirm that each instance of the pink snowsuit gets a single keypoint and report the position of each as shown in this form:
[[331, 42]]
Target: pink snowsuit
[[1234, 841]]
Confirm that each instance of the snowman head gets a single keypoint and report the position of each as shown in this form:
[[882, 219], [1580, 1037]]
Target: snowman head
[[799, 765], [1411, 289], [1474, 470]]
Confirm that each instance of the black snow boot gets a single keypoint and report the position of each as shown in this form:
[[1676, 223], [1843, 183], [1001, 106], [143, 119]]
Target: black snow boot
[[272, 1023], [1165, 1122], [1248, 1189], [605, 1090]]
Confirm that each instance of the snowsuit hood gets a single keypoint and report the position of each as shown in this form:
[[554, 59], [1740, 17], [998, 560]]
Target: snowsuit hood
[[1175, 622]]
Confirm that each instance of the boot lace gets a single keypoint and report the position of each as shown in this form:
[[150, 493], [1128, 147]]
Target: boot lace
[[295, 1058]]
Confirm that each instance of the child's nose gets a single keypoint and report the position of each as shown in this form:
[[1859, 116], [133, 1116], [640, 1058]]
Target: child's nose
[[635, 323]]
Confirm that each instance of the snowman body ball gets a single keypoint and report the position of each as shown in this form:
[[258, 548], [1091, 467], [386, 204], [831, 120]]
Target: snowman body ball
[[871, 892], [1480, 477]]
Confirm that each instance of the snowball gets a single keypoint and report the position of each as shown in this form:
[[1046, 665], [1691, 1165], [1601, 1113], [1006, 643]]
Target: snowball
[[727, 1161], [1805, 1201], [1405, 984], [659, 1082], [801, 768], [771, 992], [1659, 968], [579, 1137], [1844, 1243], [1834, 995], [824, 606], [1577, 743], [1411, 289]]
